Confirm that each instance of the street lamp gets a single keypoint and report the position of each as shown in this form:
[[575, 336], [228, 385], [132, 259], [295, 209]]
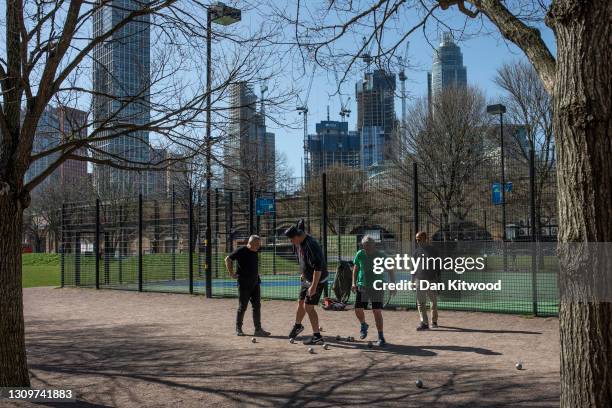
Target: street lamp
[[500, 109], [217, 13]]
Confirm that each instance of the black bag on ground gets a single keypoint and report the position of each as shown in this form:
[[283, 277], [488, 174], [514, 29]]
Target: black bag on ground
[[343, 281]]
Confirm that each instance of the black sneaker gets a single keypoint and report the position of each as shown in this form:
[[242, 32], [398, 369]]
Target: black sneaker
[[314, 340], [239, 331], [422, 327], [297, 329], [261, 333], [381, 342], [434, 325]]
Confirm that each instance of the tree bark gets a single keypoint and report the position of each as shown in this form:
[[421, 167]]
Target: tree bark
[[583, 129], [13, 363]]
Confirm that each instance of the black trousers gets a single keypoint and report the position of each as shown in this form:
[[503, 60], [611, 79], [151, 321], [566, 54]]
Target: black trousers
[[249, 293]]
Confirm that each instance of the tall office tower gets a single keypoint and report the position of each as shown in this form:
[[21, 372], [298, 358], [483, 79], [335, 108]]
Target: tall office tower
[[121, 82], [448, 69], [333, 144], [250, 151], [56, 125], [376, 119]]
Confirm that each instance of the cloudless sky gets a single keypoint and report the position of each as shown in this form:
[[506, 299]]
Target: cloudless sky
[[482, 56]]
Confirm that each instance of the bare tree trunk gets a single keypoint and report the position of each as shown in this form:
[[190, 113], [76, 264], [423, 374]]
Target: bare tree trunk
[[583, 130], [13, 363]]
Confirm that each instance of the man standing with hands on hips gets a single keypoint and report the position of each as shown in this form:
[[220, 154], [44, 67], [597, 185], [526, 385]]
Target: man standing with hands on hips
[[314, 278], [248, 283]]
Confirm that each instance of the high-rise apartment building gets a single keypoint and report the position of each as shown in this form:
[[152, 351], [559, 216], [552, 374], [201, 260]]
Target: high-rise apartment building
[[121, 82], [333, 144], [249, 155], [376, 119]]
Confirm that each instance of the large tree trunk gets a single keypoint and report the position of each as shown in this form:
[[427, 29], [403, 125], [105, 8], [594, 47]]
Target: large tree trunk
[[583, 128], [13, 364]]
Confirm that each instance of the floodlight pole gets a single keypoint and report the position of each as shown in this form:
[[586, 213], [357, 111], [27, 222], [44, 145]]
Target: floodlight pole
[[503, 172], [208, 238], [500, 109], [223, 15]]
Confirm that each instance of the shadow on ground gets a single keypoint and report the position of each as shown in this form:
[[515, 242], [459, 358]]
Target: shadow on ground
[[150, 365]]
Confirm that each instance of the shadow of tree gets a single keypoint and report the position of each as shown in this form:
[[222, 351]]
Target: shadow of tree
[[150, 365]]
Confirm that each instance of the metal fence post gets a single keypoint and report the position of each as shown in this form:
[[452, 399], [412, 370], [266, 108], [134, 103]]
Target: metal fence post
[[173, 226], [274, 234], [339, 241], [97, 244], [230, 223], [122, 243], [63, 247], [401, 233], [216, 238], [307, 226], [198, 240], [325, 221], [251, 208], [107, 249], [190, 244], [140, 242], [415, 197], [77, 258], [208, 247], [532, 221]]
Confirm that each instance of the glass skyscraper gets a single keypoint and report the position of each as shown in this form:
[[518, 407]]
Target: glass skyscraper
[[121, 82], [448, 69], [376, 119]]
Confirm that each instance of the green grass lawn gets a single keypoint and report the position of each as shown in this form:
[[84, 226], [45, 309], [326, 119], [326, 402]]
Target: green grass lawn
[[40, 270], [44, 269]]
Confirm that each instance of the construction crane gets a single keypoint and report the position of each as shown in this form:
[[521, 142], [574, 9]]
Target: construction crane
[[366, 55], [402, 78], [345, 112], [302, 109], [403, 63]]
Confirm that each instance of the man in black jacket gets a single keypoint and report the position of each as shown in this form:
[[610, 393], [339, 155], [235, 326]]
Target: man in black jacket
[[248, 283], [314, 279], [429, 273]]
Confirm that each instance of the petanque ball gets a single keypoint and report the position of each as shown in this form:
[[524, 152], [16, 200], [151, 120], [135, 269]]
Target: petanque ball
[[326, 347], [419, 383], [320, 329], [519, 366], [310, 350], [291, 340], [370, 345], [253, 340], [338, 337]]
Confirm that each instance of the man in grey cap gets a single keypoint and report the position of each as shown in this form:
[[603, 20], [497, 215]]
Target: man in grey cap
[[314, 279]]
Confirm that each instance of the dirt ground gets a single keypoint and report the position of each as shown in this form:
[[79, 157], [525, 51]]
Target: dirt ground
[[124, 349]]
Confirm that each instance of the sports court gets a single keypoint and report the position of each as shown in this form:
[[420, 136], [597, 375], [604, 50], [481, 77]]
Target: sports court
[[129, 349]]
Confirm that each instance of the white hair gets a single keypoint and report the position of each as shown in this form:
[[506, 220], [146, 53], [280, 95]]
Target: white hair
[[367, 239], [254, 238]]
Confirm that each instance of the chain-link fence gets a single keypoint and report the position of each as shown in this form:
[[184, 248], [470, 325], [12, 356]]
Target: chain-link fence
[[160, 243]]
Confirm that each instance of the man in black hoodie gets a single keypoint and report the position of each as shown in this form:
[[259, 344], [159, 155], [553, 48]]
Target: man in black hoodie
[[314, 279]]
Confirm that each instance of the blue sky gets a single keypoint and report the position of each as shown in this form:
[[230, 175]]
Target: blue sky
[[483, 54]]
